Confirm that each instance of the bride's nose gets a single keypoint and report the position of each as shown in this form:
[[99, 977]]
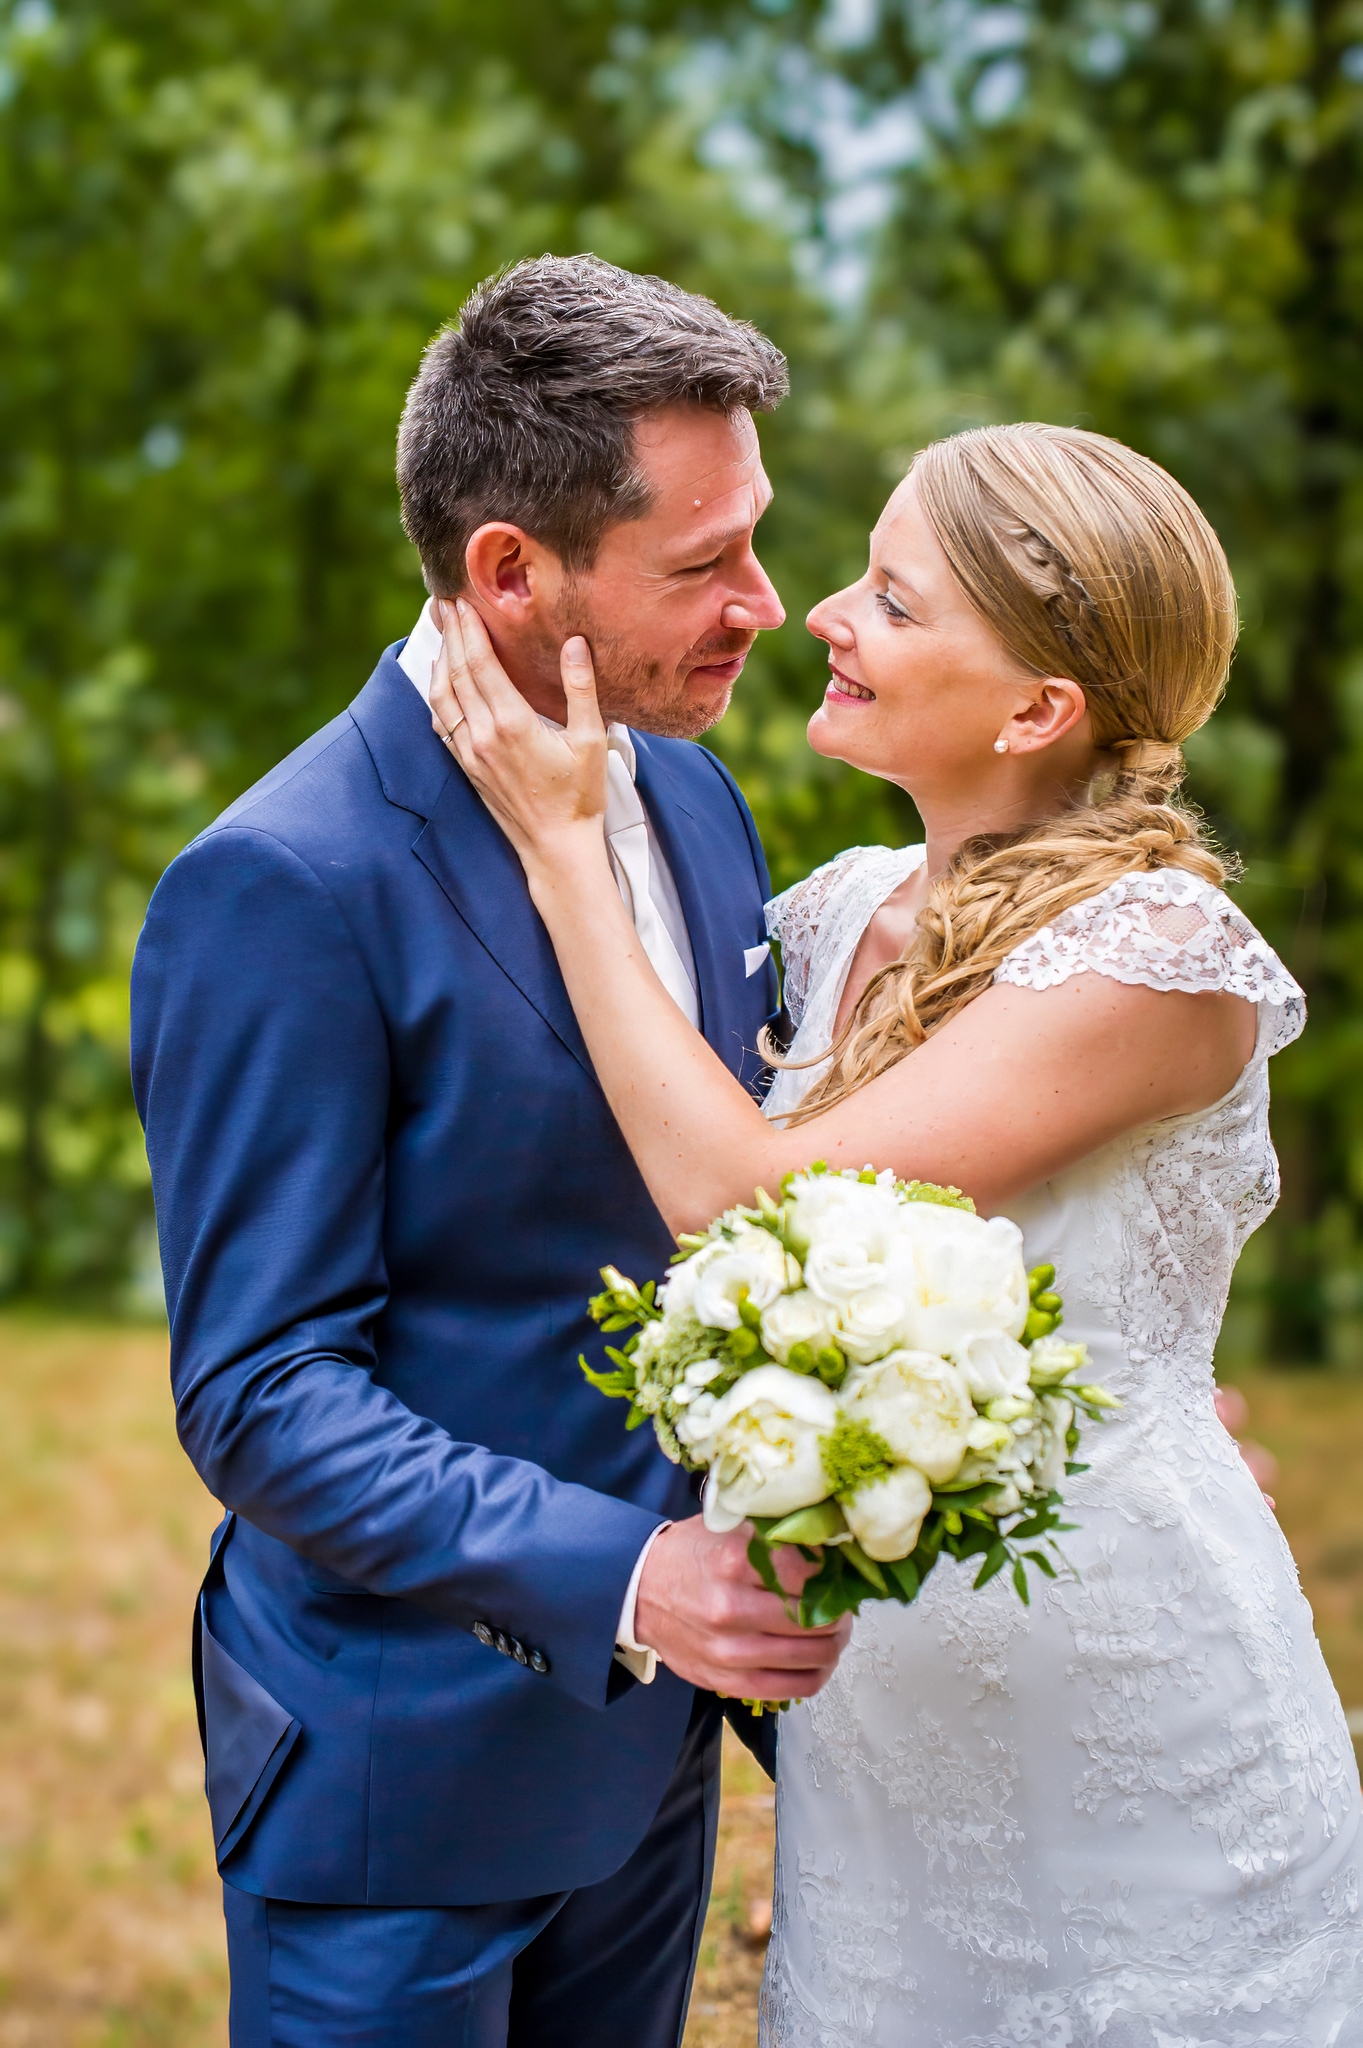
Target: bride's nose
[[827, 621]]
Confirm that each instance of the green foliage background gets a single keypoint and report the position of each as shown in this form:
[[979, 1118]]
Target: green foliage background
[[226, 232]]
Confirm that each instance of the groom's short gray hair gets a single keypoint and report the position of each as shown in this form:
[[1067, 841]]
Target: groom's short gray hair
[[524, 407]]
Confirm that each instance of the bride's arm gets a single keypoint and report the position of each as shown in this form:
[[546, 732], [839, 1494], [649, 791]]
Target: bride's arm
[[1018, 1085]]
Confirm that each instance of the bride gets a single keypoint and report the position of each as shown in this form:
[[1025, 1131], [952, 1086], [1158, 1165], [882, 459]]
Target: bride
[[1128, 1815]]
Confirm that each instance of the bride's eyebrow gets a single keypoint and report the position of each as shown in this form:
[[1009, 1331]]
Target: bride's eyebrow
[[900, 582]]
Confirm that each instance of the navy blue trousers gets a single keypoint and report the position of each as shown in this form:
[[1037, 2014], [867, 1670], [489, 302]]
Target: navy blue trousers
[[609, 1966]]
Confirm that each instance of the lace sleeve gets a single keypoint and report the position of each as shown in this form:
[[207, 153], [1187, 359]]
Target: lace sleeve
[[1164, 929]]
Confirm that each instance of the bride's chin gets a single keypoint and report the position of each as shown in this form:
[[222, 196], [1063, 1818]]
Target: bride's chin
[[827, 734]]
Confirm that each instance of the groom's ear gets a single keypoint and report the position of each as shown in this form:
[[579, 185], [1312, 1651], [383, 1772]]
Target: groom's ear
[[510, 574]]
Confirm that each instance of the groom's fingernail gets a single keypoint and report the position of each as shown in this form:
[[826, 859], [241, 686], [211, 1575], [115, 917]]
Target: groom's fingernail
[[460, 606]]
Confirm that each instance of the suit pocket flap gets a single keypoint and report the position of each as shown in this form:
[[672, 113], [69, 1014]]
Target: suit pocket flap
[[249, 1737]]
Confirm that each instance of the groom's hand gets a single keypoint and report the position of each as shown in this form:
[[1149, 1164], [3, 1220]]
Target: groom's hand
[[702, 1607]]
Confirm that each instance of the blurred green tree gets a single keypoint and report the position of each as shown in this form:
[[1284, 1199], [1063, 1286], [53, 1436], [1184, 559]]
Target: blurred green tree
[[1148, 219], [227, 233]]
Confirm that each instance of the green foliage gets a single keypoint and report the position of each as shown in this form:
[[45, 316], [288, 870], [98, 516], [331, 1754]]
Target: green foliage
[[1149, 220], [229, 230]]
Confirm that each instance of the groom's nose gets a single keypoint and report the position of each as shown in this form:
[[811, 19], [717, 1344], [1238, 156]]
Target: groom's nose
[[753, 606]]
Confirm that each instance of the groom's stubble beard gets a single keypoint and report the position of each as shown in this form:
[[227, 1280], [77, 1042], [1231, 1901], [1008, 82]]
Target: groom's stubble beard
[[634, 688]]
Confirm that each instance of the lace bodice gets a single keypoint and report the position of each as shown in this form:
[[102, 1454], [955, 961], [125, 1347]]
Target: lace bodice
[[1128, 1815], [818, 925]]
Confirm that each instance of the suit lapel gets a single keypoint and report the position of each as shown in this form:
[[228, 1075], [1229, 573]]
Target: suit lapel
[[461, 846]]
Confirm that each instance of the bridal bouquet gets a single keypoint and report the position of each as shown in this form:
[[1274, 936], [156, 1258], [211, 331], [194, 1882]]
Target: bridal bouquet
[[864, 1369]]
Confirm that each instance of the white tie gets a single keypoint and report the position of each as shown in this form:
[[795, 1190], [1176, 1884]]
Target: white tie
[[627, 843]]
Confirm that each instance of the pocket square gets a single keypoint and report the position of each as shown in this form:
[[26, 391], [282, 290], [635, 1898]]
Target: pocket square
[[753, 956]]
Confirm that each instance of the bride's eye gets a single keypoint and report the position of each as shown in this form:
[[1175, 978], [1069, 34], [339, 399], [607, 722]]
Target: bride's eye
[[892, 611]]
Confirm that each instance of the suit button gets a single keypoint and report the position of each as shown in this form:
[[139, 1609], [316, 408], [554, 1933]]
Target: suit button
[[538, 1661], [503, 1641], [518, 1651], [483, 1633]]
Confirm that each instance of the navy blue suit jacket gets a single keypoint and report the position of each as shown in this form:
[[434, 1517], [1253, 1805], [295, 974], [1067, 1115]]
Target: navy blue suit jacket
[[385, 1179]]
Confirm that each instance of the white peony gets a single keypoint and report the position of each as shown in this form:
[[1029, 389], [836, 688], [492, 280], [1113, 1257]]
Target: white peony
[[755, 1260], [799, 1318], [995, 1365], [870, 1324], [919, 1404], [834, 1204], [885, 1516], [764, 1437], [959, 1274]]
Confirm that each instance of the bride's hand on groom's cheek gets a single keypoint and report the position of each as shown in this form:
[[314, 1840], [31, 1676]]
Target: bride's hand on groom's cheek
[[540, 782], [702, 1607]]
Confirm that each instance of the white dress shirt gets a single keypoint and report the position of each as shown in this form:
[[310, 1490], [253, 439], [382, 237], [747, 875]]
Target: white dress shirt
[[645, 882]]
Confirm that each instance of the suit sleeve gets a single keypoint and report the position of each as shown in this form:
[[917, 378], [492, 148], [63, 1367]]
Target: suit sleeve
[[260, 1066]]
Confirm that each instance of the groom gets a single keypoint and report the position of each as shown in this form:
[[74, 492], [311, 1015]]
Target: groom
[[458, 1643]]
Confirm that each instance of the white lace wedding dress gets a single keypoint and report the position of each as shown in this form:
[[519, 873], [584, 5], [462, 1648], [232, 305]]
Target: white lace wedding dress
[[1130, 1814]]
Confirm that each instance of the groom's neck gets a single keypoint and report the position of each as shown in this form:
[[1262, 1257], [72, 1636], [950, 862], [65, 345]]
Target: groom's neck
[[531, 661]]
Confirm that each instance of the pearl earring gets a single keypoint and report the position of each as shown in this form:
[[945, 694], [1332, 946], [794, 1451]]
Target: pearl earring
[[1000, 746]]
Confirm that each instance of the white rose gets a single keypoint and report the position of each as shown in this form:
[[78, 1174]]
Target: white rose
[[885, 1516], [959, 1274], [918, 1404], [995, 1365], [836, 1268], [870, 1324], [792, 1319], [755, 1261], [765, 1435]]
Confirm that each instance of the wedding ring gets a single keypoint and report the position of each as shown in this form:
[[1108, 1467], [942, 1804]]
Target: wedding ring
[[447, 738]]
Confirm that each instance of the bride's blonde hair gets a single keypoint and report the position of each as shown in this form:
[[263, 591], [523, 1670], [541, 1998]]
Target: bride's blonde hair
[[1088, 561]]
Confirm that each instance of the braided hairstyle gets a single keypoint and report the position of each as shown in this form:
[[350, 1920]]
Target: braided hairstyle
[[1088, 561]]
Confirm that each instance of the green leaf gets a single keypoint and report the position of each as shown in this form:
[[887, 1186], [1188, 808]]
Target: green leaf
[[832, 1592], [809, 1525], [759, 1557], [867, 1566], [902, 1572], [994, 1562], [1020, 1581], [1039, 1557]]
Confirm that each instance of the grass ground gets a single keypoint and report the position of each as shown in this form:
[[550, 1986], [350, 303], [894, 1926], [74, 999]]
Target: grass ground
[[109, 1921]]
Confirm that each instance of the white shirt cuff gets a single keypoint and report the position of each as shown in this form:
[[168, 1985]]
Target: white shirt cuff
[[640, 1662]]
